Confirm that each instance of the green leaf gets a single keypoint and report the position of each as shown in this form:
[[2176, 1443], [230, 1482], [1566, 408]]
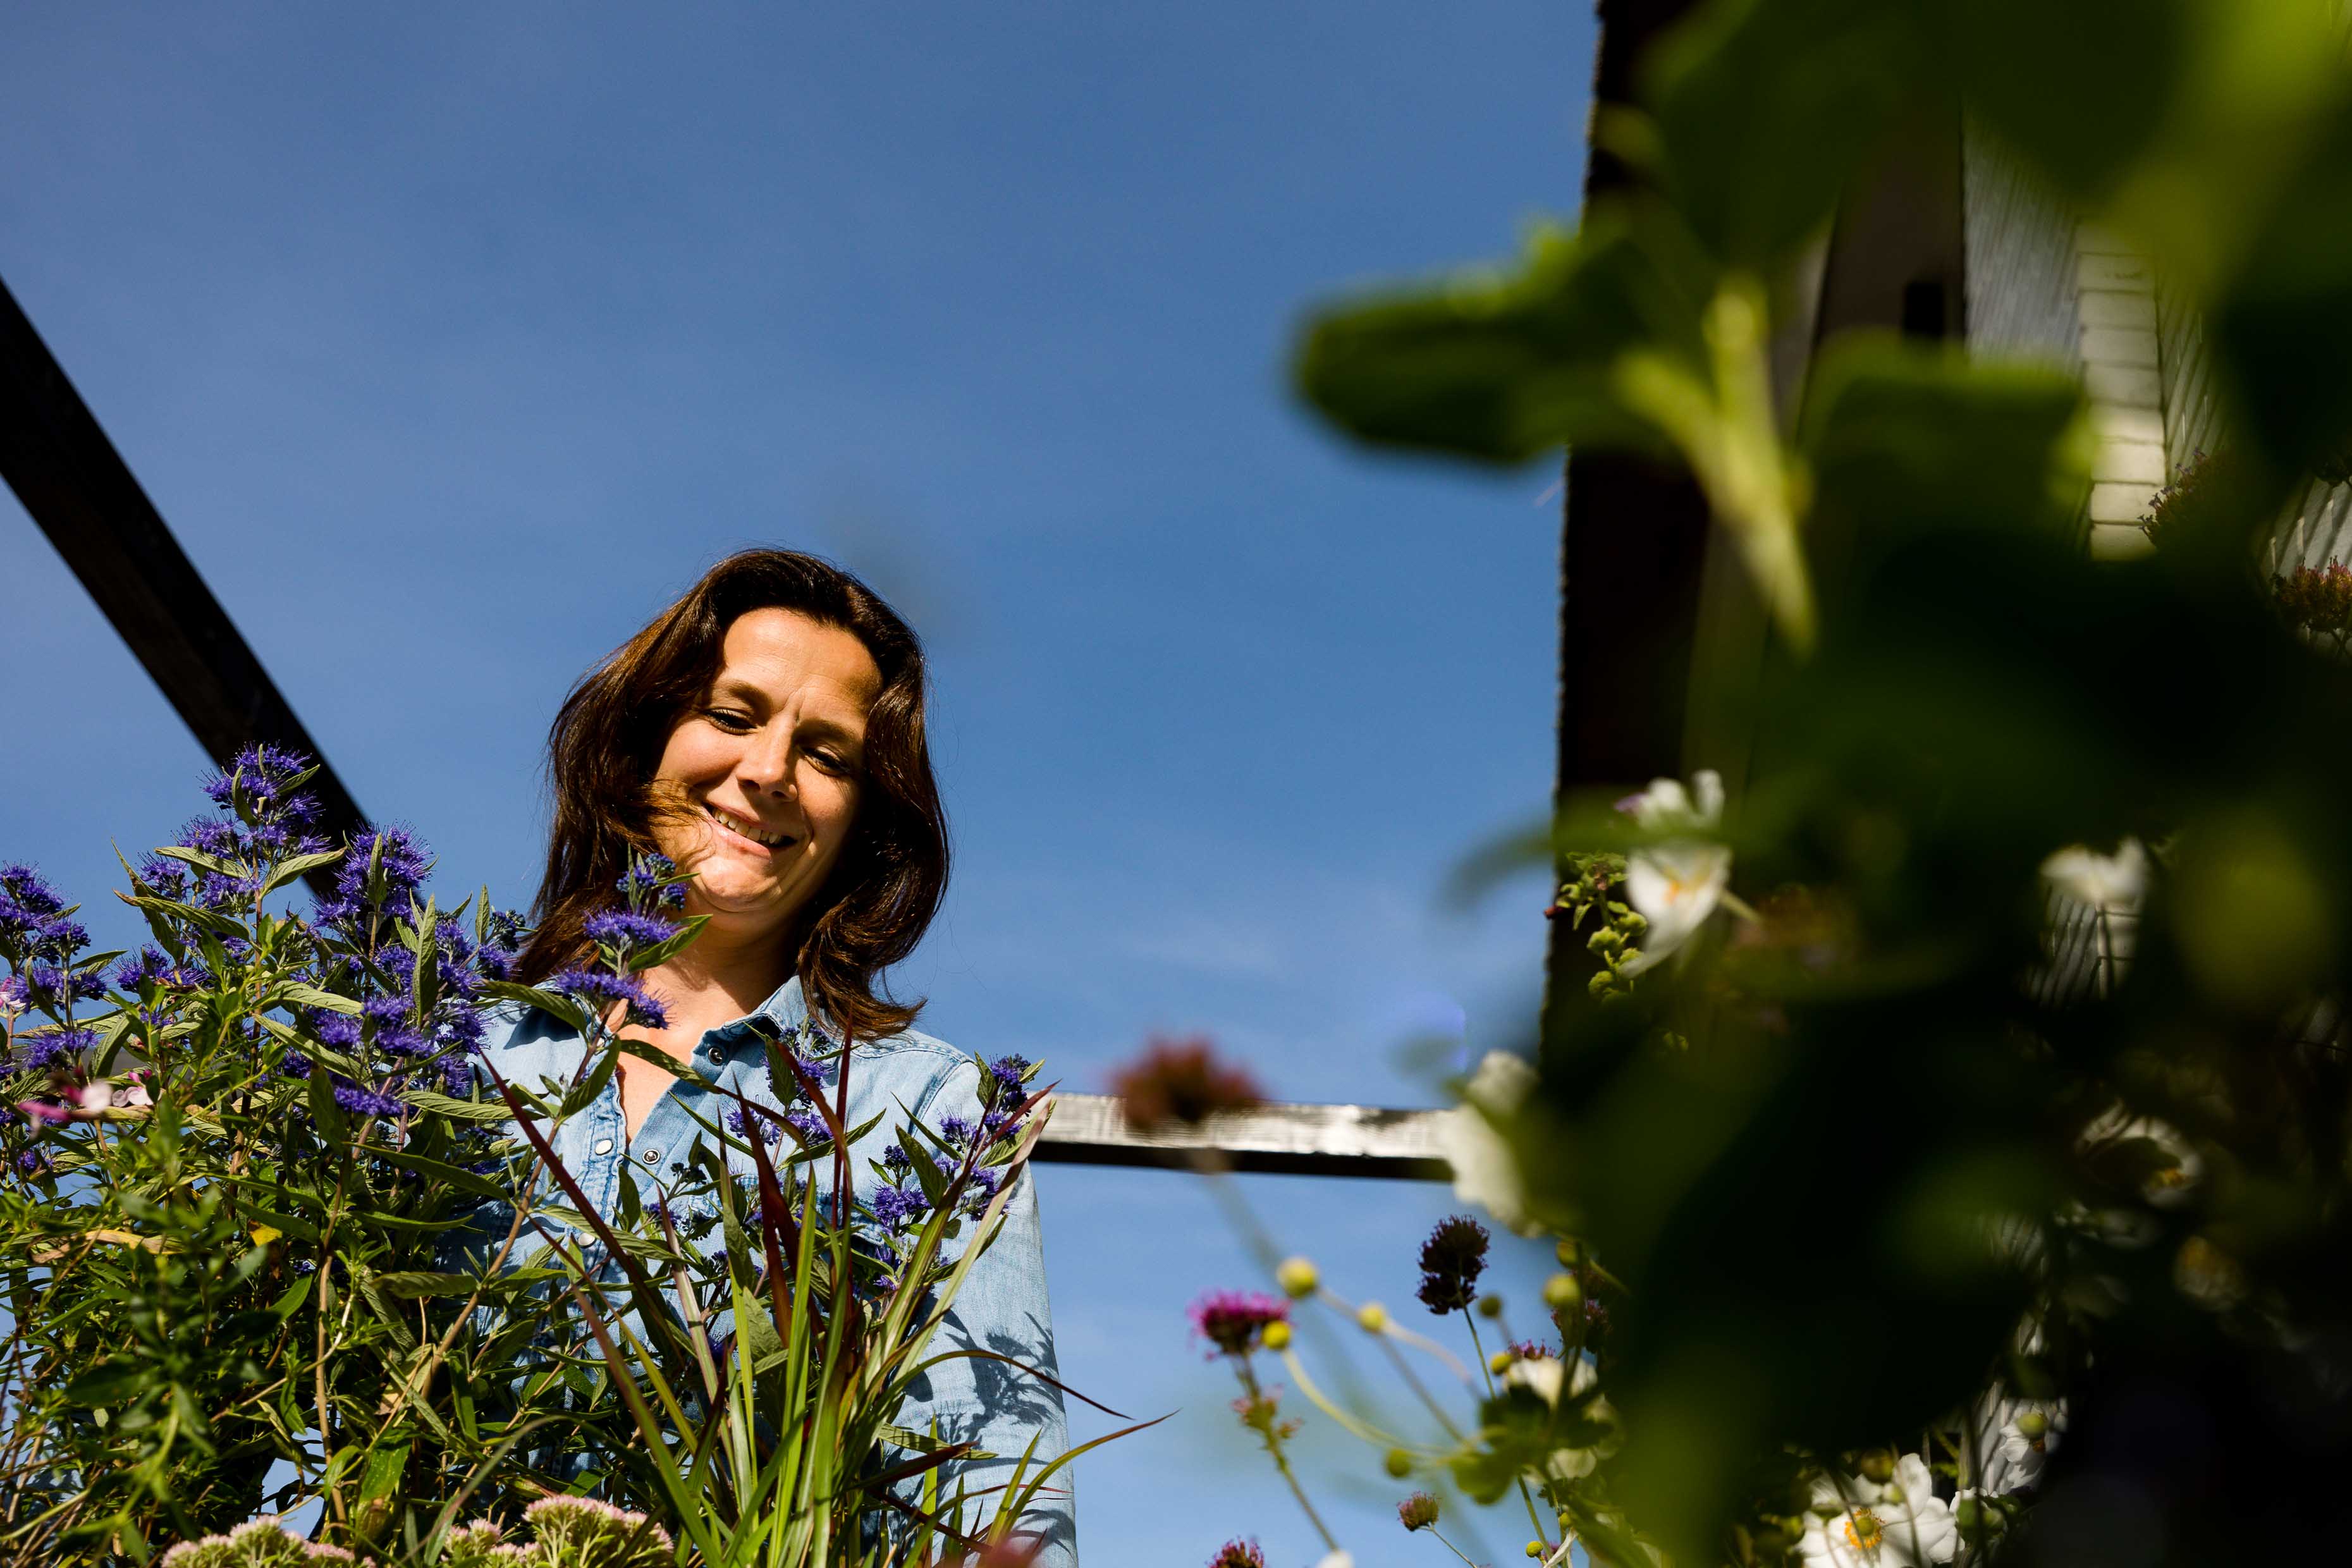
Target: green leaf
[[290, 1300], [441, 1170], [1765, 110], [198, 859], [456, 1110], [109, 1383], [583, 1093], [300, 865], [311, 997], [647, 1051], [410, 1285], [669, 947], [934, 1183], [205, 920], [1504, 367]]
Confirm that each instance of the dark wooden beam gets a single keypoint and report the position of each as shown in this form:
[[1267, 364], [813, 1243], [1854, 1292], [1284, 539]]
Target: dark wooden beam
[[77, 488], [1633, 543]]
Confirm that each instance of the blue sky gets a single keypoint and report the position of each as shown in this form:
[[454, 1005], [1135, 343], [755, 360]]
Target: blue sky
[[452, 341]]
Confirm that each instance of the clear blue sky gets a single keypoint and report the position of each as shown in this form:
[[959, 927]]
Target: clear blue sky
[[452, 341]]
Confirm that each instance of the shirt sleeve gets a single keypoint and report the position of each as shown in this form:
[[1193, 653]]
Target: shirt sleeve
[[1002, 1408]]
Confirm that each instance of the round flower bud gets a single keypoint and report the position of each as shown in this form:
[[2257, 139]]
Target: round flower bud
[[1877, 1466], [1297, 1279], [1499, 1363], [1969, 1514], [1398, 1463], [1567, 1252], [1535, 1548], [1490, 1306], [2032, 1425], [1562, 1293], [1373, 1316], [1276, 1336]]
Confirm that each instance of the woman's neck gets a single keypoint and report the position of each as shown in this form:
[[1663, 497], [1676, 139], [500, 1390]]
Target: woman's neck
[[717, 980]]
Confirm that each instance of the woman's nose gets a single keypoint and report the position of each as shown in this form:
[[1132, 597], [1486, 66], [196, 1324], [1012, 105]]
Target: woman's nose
[[767, 761]]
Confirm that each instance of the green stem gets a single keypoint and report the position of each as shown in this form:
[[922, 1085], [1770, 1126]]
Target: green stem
[[1450, 1546], [1526, 1496], [1281, 1462]]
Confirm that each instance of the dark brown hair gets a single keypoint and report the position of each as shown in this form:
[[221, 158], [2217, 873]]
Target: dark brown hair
[[608, 738]]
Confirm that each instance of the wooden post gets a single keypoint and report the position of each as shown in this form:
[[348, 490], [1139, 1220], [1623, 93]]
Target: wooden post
[[1292, 1140]]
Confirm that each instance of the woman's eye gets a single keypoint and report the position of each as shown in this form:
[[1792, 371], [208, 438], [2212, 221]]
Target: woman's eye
[[728, 719]]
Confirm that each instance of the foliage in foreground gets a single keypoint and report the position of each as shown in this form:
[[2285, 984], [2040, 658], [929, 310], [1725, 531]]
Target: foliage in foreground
[[1944, 1220], [264, 1204]]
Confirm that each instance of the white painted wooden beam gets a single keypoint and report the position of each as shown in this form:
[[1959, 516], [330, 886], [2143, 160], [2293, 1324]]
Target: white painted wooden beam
[[1296, 1140]]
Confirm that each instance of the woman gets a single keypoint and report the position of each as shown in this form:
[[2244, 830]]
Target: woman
[[766, 732]]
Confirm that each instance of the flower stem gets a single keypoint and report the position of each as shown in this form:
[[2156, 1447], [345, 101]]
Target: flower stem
[[1281, 1461], [1450, 1546]]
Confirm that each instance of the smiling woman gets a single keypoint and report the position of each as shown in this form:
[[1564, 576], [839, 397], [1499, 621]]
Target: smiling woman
[[766, 734]]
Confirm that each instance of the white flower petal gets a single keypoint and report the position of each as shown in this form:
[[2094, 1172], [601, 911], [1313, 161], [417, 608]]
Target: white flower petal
[[2115, 882], [1674, 886]]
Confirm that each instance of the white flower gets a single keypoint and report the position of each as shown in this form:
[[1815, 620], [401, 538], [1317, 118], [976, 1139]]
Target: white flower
[[1486, 1171], [2028, 1433], [1857, 1523], [1664, 807], [2106, 882], [1337, 1560], [1674, 886], [2168, 1184]]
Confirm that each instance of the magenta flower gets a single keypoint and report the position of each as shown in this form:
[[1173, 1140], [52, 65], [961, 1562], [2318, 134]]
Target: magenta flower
[[1233, 1320]]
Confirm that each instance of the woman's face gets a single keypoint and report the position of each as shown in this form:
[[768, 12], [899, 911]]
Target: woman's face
[[769, 769]]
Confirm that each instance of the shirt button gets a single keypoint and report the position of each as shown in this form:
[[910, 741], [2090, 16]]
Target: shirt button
[[604, 1145], [650, 1155]]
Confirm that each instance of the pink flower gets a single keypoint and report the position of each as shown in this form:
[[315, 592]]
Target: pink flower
[[1232, 1320]]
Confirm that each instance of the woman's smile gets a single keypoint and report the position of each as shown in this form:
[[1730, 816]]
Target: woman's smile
[[746, 829]]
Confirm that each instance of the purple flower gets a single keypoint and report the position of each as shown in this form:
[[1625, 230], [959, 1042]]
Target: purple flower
[[980, 1190], [264, 776], [497, 962], [808, 1125], [894, 1160], [1009, 1070], [593, 985], [149, 966], [1233, 1320], [623, 928], [28, 891], [362, 1102], [382, 867], [956, 1133], [743, 1124], [897, 1207], [33, 1162], [340, 1030], [16, 995], [162, 875], [1451, 1261], [643, 881], [294, 1064], [46, 1050], [456, 1076]]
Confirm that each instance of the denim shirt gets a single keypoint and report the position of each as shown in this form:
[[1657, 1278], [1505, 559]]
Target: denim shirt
[[1002, 1304]]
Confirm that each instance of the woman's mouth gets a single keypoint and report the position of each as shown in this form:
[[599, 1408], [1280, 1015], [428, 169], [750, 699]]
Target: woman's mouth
[[767, 840]]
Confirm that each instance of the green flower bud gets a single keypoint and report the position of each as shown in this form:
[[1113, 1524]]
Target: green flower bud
[[1276, 1336], [1499, 1363], [1568, 1251], [1562, 1294], [1969, 1514], [1372, 1317], [1878, 1465], [1398, 1463], [1298, 1277], [1490, 1306], [2032, 1425]]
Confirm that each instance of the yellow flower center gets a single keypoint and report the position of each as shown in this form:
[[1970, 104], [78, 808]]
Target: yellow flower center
[[1864, 1530]]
